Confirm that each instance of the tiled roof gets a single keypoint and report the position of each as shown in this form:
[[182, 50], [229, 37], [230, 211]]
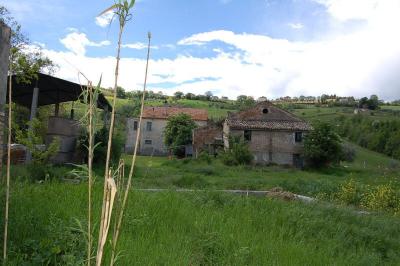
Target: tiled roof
[[266, 116], [164, 112], [273, 125]]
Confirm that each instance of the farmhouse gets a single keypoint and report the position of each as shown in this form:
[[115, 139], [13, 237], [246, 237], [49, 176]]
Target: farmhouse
[[152, 129], [274, 135]]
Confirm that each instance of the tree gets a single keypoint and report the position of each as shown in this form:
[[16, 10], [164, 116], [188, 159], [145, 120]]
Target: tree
[[190, 96], [26, 59], [372, 103], [121, 93], [178, 133], [208, 95], [245, 101], [322, 145], [178, 95]]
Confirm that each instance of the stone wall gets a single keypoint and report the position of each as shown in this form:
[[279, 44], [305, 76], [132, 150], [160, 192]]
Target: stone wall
[[277, 147], [4, 54]]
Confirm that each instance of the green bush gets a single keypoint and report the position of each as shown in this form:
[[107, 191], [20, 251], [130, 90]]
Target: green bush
[[62, 246], [382, 198], [100, 140], [349, 193], [348, 153], [205, 157], [322, 146], [237, 154]]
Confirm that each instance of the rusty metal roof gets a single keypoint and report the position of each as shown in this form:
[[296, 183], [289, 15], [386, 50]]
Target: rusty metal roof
[[165, 112]]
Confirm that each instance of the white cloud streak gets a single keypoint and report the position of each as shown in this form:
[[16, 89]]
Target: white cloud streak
[[138, 46], [105, 19], [362, 63], [77, 42], [296, 26]]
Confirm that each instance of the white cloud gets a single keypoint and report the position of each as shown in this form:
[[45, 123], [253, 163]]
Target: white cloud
[[138, 46], [77, 42], [105, 19], [296, 26], [362, 63]]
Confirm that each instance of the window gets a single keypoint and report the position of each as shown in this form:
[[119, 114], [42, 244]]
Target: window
[[135, 125], [265, 111], [247, 135], [148, 126], [298, 136], [148, 141]]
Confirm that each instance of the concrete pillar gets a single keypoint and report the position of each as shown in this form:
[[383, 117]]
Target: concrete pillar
[[5, 33], [35, 97]]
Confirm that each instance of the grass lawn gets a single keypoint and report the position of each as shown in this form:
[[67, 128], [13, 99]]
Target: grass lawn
[[369, 168], [198, 229], [391, 107]]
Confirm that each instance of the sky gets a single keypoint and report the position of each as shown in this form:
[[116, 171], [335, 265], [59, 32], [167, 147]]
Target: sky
[[271, 48]]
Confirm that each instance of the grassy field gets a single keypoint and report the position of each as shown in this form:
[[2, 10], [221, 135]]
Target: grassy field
[[391, 107], [332, 114], [369, 168], [207, 227], [198, 229]]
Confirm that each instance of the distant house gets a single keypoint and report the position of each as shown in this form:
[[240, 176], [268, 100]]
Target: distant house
[[262, 99], [274, 135], [152, 134]]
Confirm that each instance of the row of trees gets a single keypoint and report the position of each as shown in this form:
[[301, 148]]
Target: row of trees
[[376, 135]]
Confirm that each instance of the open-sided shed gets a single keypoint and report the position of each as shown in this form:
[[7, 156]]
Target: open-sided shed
[[50, 90]]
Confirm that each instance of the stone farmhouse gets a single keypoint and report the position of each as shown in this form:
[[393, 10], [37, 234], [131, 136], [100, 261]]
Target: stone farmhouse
[[152, 129], [274, 135]]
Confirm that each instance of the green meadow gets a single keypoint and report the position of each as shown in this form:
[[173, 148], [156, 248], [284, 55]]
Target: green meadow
[[199, 228]]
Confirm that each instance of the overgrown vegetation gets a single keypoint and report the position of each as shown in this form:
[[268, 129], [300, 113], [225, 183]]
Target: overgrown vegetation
[[378, 135], [322, 146], [238, 152], [199, 229], [178, 133]]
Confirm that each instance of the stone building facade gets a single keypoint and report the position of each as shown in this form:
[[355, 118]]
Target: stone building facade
[[152, 128], [4, 55], [275, 136]]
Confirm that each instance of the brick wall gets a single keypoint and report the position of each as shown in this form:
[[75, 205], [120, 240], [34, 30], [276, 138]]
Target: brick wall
[[204, 137]]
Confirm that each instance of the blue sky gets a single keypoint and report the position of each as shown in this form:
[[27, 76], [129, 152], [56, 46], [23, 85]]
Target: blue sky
[[267, 48]]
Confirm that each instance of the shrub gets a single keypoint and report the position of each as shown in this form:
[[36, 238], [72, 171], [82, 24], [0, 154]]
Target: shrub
[[205, 157], [238, 152], [322, 145], [100, 140], [348, 153], [349, 193], [178, 133], [382, 198], [33, 140]]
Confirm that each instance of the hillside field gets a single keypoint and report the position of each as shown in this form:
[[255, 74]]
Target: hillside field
[[209, 227]]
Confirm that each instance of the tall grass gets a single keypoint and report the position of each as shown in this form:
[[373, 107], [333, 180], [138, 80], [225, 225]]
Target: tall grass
[[121, 10], [200, 229], [129, 182]]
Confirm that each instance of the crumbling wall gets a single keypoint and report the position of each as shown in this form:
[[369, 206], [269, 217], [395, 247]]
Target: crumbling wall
[[4, 54]]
